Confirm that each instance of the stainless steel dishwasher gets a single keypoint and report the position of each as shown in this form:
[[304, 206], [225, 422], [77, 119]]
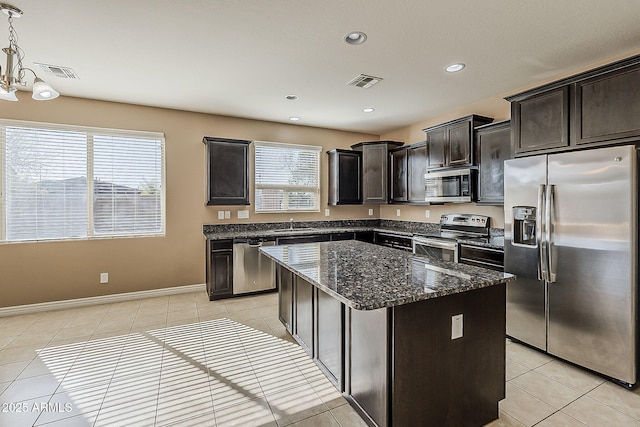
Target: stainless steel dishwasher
[[252, 271]]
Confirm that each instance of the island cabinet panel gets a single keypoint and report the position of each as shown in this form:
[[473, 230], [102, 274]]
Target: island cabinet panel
[[329, 343], [607, 107], [285, 280], [303, 325], [440, 381], [541, 121], [368, 361]]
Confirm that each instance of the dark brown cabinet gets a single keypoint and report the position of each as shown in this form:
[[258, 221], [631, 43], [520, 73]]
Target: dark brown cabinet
[[594, 108], [227, 171], [398, 176], [345, 177], [451, 144], [408, 165], [541, 121], [607, 107], [493, 146], [219, 269], [375, 165], [416, 168]]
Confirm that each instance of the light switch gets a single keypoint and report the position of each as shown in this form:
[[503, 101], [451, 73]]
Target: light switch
[[370, 211], [220, 214], [397, 212], [104, 278], [327, 212], [456, 326], [427, 214], [227, 214]]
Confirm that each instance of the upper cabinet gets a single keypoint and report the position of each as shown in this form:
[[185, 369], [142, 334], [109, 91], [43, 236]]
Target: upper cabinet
[[227, 171], [541, 121], [408, 165], [375, 169], [607, 107], [493, 147], [451, 144], [594, 108], [345, 177]]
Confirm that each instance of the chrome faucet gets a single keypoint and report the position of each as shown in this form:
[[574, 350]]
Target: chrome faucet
[[290, 223]]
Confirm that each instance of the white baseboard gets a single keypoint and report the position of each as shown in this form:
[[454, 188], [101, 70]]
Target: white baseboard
[[104, 299]]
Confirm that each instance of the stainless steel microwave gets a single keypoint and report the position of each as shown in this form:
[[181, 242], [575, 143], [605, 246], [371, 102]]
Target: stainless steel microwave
[[449, 186]]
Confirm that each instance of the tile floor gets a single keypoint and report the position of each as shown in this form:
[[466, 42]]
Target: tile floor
[[184, 361]]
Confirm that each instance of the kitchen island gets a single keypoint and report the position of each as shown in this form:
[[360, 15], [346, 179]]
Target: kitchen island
[[408, 340]]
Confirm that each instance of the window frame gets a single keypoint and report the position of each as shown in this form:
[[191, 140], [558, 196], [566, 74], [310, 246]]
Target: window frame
[[317, 190], [90, 132]]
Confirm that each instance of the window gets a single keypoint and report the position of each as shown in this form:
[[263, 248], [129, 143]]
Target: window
[[45, 193], [287, 177]]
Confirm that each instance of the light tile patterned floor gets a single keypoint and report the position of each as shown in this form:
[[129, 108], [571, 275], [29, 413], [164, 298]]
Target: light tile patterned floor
[[185, 361]]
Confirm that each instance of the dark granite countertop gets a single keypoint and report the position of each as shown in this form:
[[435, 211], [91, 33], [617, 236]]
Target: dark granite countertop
[[365, 276], [281, 229]]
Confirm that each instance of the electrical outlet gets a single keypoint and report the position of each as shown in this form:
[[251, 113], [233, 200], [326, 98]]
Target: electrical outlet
[[456, 326], [220, 214], [104, 278], [227, 214], [427, 214], [370, 212], [244, 214], [327, 212], [397, 212]]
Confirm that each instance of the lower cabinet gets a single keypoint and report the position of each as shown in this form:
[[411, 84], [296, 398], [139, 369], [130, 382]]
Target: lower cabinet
[[219, 269]]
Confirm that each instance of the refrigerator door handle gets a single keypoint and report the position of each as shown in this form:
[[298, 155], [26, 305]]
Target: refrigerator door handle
[[550, 221], [540, 233]]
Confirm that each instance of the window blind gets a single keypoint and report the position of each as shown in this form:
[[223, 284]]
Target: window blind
[[287, 177], [46, 193]]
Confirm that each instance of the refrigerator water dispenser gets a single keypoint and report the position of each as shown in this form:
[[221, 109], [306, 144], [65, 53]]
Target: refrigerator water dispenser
[[524, 225]]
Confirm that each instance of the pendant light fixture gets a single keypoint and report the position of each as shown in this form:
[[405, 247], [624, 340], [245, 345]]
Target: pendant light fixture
[[13, 76]]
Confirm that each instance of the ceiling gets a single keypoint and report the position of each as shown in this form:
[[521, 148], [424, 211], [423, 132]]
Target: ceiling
[[242, 57]]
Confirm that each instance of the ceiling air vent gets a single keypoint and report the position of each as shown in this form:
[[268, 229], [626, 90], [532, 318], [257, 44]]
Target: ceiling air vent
[[364, 81], [62, 72]]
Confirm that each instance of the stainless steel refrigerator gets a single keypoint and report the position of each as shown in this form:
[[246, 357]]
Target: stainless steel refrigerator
[[571, 239]]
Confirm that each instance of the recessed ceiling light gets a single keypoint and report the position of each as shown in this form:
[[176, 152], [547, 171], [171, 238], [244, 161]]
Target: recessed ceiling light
[[294, 119], [455, 67], [291, 97], [355, 37], [368, 110]]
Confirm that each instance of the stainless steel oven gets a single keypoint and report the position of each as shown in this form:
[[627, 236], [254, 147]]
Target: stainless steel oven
[[436, 248], [453, 185]]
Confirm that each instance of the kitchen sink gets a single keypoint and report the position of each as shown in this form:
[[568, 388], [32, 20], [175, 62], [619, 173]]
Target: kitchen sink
[[287, 230]]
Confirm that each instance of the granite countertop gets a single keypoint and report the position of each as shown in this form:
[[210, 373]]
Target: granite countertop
[[281, 229], [365, 276]]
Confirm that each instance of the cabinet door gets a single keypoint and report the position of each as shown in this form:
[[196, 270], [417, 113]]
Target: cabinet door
[[220, 281], [345, 177], [227, 171], [329, 341], [398, 174], [607, 107], [436, 142], [541, 122], [416, 168], [303, 326], [459, 149], [285, 298], [374, 159], [494, 147]]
